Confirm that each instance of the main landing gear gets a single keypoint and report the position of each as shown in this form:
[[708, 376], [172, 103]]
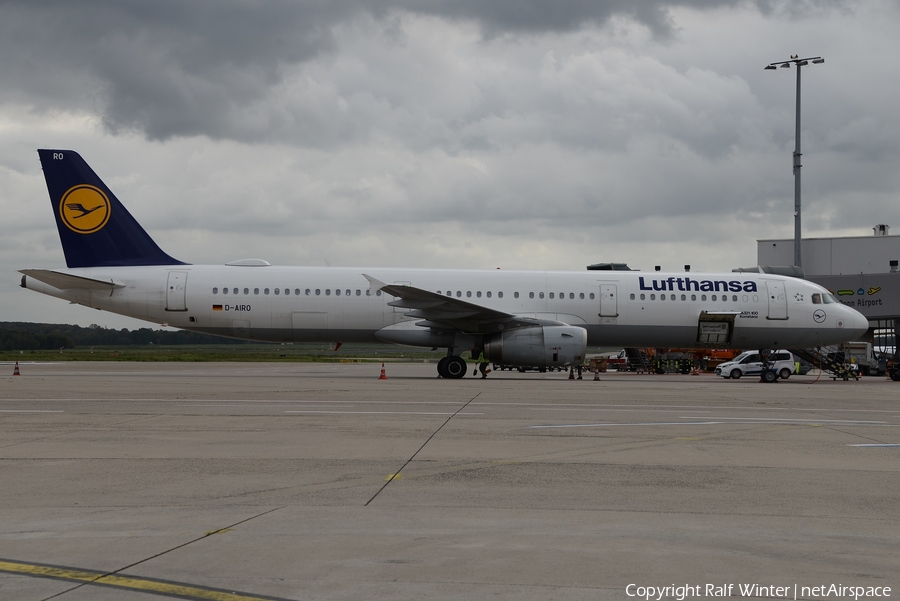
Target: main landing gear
[[452, 367]]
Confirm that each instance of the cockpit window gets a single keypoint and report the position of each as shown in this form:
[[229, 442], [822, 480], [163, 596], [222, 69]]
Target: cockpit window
[[828, 299], [817, 299]]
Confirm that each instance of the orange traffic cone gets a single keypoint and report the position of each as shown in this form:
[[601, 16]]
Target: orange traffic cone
[[383, 376], [571, 373], [16, 369]]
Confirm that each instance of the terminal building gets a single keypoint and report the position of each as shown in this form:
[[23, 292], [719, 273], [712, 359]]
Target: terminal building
[[861, 271]]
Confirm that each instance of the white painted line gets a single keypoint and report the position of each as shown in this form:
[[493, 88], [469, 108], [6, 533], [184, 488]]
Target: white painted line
[[31, 411], [381, 412], [793, 420], [628, 424], [876, 446]]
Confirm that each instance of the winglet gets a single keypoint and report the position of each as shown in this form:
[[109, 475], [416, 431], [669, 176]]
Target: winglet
[[374, 284]]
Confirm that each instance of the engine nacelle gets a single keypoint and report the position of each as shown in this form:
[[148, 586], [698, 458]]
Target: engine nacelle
[[540, 346]]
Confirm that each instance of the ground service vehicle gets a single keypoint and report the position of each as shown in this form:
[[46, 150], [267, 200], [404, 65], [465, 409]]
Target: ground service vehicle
[[750, 363]]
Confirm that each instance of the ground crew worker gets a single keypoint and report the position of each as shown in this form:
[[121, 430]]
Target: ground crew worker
[[482, 365]]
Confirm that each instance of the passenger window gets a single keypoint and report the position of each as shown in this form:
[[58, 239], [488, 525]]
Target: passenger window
[[246, 291], [642, 296], [369, 292], [541, 294], [378, 293], [683, 297], [713, 297], [287, 290], [703, 297], [551, 295], [662, 297], [571, 296], [468, 294], [215, 290], [297, 291], [581, 295], [328, 292], [652, 297], [318, 291], [592, 296], [347, 293], [358, 292], [693, 297], [531, 295], [265, 290], [307, 292], [224, 290], [277, 291], [458, 294], [256, 291], [734, 298], [632, 296], [488, 294], [478, 294]]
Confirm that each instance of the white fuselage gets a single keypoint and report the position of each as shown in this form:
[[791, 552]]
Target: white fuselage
[[331, 304]]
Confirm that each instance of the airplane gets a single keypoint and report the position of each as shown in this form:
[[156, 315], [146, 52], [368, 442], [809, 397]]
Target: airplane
[[516, 318]]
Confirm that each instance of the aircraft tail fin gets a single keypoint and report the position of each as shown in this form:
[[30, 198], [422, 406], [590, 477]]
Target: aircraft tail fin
[[94, 227]]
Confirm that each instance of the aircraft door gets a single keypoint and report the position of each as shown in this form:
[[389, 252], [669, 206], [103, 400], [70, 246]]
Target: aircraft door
[[608, 302], [175, 291], [777, 300]]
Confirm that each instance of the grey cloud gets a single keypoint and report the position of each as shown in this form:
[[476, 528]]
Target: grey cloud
[[170, 68]]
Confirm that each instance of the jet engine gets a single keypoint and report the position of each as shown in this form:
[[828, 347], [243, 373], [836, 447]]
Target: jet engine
[[539, 346]]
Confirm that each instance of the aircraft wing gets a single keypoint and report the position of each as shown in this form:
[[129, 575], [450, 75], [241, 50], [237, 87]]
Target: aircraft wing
[[67, 281], [444, 312]]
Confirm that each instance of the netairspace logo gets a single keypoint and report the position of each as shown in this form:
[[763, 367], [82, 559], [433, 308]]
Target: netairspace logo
[[795, 591]]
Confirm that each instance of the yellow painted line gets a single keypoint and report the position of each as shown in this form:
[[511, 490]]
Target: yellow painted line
[[134, 583], [390, 477]]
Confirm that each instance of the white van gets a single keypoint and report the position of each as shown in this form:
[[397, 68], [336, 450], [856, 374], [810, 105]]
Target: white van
[[748, 363]]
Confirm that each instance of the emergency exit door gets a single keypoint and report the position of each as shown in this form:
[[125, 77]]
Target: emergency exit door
[[175, 291], [609, 304]]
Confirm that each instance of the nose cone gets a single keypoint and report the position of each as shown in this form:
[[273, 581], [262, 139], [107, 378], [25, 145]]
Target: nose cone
[[855, 323]]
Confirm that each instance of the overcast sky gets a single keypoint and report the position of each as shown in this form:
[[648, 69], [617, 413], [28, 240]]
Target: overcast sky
[[448, 133]]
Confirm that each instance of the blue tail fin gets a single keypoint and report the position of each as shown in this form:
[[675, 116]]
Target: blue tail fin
[[94, 227]]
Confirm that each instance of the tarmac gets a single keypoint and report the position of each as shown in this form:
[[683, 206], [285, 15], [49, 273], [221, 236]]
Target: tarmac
[[232, 481]]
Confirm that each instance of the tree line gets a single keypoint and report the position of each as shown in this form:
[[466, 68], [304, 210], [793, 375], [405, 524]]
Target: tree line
[[22, 336]]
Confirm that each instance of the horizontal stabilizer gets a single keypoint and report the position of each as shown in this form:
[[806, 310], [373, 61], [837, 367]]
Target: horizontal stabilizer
[[66, 281]]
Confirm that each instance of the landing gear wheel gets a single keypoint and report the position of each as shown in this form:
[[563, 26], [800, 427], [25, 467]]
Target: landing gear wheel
[[785, 373], [736, 374], [442, 367], [455, 367], [769, 376]]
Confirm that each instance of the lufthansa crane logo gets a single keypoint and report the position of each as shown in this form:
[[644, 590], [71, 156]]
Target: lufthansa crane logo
[[84, 209]]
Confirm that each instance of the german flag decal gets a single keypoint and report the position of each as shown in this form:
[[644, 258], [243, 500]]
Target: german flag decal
[[217, 307]]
